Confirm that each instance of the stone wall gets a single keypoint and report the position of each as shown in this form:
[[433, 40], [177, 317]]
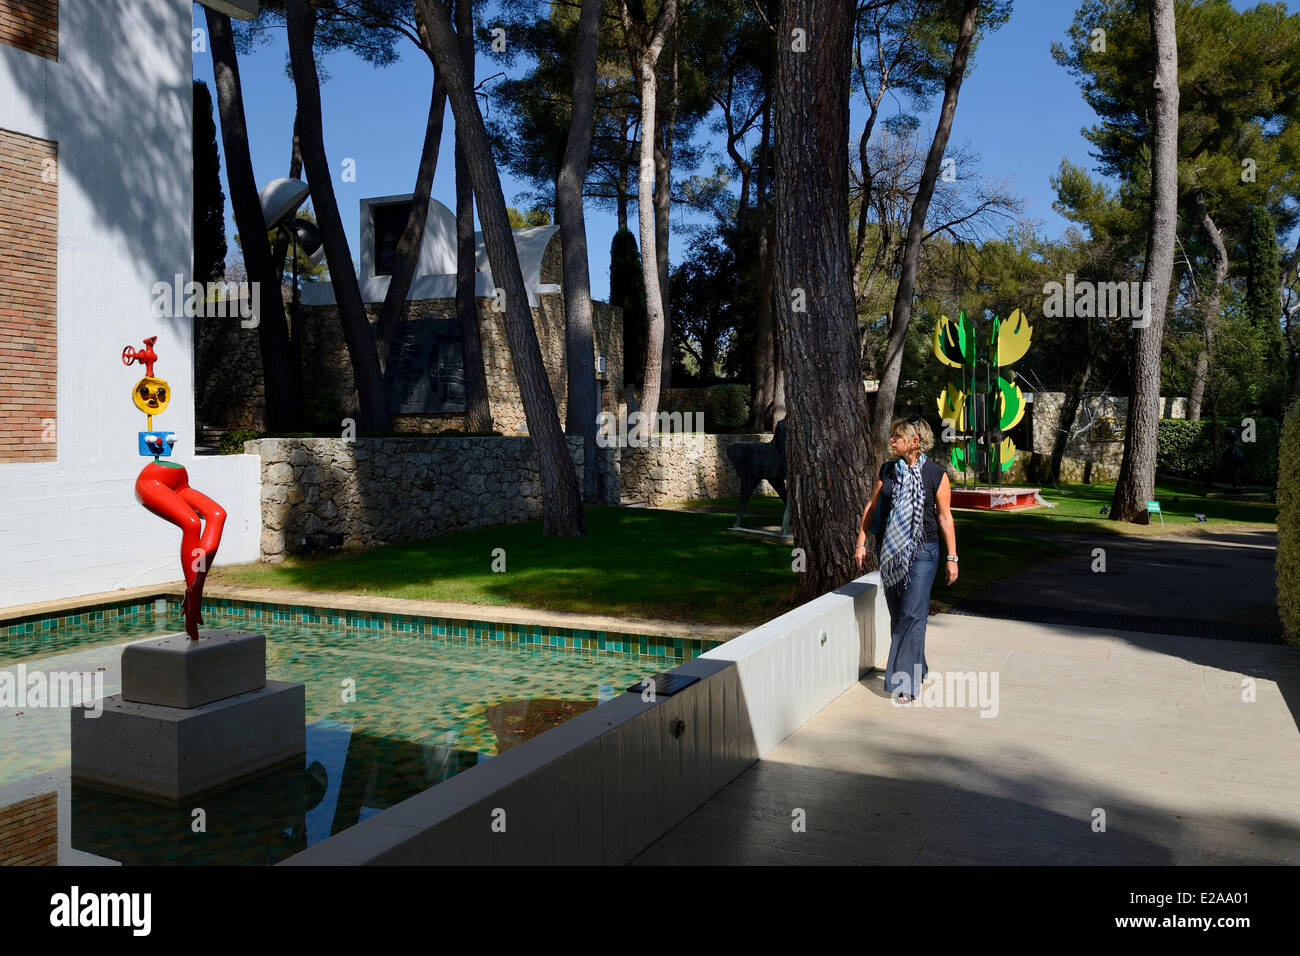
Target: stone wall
[[229, 370], [683, 468], [1102, 443], [376, 491]]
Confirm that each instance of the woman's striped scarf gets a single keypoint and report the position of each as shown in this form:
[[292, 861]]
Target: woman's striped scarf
[[906, 527]]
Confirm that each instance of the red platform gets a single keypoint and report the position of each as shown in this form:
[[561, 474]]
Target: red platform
[[1002, 498]]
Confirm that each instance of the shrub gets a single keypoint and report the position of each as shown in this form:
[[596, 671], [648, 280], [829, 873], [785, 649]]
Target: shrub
[[232, 442], [726, 406], [1182, 448], [1186, 449], [1288, 527]]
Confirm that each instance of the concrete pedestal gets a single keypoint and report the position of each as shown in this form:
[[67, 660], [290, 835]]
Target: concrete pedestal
[[177, 672], [193, 718]]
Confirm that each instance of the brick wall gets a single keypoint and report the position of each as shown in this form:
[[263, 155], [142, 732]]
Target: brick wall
[[28, 300], [31, 25], [29, 832]]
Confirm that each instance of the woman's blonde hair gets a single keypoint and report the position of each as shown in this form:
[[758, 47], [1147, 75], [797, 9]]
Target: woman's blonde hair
[[917, 426]]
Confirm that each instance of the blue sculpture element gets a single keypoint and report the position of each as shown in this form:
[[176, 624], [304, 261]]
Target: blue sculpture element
[[157, 443]]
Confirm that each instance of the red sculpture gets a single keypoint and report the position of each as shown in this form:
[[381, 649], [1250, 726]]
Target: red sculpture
[[164, 488]]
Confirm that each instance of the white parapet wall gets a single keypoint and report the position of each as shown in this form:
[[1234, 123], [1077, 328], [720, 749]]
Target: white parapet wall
[[601, 787], [66, 533]]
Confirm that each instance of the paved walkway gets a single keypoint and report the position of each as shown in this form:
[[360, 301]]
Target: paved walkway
[[1150, 729], [1214, 585]]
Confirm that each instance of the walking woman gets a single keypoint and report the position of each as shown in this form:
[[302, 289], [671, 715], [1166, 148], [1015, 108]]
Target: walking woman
[[912, 498]]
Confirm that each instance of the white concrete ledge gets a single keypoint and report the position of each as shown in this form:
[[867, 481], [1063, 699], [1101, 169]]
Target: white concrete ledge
[[601, 787]]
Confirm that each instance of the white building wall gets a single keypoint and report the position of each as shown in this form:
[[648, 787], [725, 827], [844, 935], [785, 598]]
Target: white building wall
[[118, 103]]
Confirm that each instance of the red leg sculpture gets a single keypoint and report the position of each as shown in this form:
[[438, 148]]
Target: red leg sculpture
[[164, 489]]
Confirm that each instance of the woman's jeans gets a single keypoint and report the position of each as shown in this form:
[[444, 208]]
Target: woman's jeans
[[908, 610]]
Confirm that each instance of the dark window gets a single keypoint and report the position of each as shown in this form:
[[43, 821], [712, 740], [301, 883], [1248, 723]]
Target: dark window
[[390, 220]]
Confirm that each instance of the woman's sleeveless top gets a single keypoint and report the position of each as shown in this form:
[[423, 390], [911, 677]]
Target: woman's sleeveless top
[[931, 476]]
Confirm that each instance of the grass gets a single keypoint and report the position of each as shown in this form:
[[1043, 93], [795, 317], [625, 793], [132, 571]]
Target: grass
[[995, 545], [632, 562], [678, 563], [989, 552], [1078, 511]]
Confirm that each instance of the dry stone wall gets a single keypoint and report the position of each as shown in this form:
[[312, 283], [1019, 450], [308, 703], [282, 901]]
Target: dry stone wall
[[683, 468], [228, 373], [321, 492]]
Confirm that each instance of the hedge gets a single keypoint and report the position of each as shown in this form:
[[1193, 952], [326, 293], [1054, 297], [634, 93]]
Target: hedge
[[725, 407], [1185, 449], [1288, 527]]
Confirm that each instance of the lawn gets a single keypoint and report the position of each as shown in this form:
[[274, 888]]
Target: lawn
[[988, 552], [996, 545], [633, 562], [677, 563], [1078, 510]]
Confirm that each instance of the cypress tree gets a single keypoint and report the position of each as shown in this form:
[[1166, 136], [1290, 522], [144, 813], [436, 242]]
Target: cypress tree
[[209, 200], [627, 291]]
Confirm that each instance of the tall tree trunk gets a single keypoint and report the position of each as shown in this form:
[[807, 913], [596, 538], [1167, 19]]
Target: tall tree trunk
[[394, 308], [902, 313], [579, 337], [478, 406], [830, 462], [280, 246], [1291, 319], [283, 395], [1070, 411], [1137, 474], [1196, 393], [663, 210], [621, 194], [562, 513], [644, 55], [300, 18], [762, 391], [1209, 311]]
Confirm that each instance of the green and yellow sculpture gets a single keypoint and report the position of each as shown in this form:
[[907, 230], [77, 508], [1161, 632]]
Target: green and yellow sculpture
[[981, 415]]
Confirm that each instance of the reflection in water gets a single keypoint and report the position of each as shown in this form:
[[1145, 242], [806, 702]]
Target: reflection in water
[[347, 777], [514, 721]]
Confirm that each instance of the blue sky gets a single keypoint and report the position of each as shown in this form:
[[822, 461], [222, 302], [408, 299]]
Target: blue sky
[[1018, 109]]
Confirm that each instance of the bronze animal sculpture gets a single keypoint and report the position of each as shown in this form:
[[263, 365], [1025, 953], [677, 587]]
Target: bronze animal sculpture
[[755, 461]]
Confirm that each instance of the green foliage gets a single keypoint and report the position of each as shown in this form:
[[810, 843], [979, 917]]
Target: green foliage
[[209, 200], [1185, 449], [536, 216], [1288, 527], [321, 412], [726, 406], [232, 442], [627, 292], [1261, 301], [710, 297]]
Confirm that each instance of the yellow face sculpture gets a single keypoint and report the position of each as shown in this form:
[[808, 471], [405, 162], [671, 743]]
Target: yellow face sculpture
[[151, 395]]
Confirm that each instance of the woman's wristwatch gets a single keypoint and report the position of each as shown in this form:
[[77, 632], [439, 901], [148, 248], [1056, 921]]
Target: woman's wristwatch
[[952, 558]]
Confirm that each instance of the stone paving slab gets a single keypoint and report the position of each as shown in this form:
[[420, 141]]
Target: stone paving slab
[[1151, 729]]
